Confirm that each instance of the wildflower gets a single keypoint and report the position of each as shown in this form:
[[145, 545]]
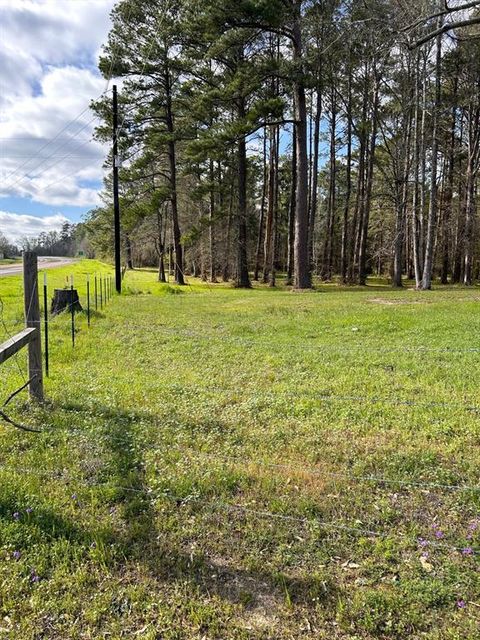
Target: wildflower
[[74, 497], [467, 551], [16, 516], [425, 554], [422, 542], [17, 555], [34, 577], [461, 604], [439, 534], [28, 510]]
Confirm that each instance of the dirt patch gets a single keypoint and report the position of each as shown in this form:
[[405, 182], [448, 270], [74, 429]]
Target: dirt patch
[[398, 301], [262, 602]]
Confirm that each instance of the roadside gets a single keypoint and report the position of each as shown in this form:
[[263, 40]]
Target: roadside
[[44, 262]]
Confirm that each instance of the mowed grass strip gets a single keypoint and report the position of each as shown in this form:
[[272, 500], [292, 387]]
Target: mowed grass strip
[[246, 464]]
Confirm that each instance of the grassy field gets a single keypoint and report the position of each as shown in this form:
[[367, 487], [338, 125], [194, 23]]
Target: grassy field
[[217, 463]]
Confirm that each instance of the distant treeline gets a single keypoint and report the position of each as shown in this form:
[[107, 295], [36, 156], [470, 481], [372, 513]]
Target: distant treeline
[[66, 242]]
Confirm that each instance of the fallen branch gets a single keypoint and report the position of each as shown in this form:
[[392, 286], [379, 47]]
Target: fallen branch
[[12, 395], [4, 416]]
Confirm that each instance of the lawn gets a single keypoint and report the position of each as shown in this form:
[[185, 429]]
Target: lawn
[[218, 463]]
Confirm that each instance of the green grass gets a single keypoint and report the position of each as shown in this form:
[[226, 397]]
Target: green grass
[[10, 260], [206, 459]]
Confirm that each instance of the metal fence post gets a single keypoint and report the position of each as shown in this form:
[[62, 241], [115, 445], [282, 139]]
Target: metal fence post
[[32, 319], [88, 299], [45, 320], [72, 310]]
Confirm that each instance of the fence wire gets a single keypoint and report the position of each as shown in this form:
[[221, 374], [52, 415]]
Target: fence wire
[[217, 504]]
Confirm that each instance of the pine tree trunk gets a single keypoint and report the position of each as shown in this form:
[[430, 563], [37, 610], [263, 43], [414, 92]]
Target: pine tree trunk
[[433, 205], [401, 197], [261, 222], [242, 279], [179, 279], [267, 257], [291, 211], [128, 247], [348, 179], [448, 199], [328, 240], [362, 257], [302, 278], [314, 179], [213, 270]]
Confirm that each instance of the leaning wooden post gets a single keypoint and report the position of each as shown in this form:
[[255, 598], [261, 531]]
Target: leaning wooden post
[[32, 319]]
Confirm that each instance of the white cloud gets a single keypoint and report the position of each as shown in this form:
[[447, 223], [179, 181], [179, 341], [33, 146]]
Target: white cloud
[[16, 226], [48, 76]]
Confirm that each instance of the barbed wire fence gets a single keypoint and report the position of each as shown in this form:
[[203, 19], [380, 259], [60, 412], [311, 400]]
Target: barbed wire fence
[[98, 291]]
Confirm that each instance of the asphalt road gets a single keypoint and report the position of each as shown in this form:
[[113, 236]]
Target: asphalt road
[[44, 262]]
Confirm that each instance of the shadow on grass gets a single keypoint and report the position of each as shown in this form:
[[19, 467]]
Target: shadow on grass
[[159, 549]]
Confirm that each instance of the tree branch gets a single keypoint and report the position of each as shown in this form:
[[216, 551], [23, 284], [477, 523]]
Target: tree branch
[[4, 416], [446, 11], [443, 29]]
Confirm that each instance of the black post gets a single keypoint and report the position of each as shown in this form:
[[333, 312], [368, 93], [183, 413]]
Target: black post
[[45, 320], [96, 296], [72, 311], [101, 292], [88, 300], [116, 203]]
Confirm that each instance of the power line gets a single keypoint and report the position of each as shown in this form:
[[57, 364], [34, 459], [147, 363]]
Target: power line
[[56, 137], [42, 162], [44, 146]]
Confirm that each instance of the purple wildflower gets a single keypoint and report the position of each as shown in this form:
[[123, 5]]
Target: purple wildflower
[[439, 534], [34, 577], [467, 551], [28, 510], [74, 496], [16, 516], [422, 542], [17, 555], [424, 554], [461, 604]]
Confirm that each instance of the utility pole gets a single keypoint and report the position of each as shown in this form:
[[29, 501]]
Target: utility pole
[[116, 203]]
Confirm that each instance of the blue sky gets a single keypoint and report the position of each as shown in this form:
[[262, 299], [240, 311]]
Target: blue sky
[[50, 169]]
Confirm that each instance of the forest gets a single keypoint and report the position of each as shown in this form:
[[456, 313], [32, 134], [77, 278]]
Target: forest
[[319, 140]]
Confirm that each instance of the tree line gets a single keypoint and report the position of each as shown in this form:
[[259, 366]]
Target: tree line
[[68, 241], [319, 138]]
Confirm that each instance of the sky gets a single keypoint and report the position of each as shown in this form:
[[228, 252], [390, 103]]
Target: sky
[[50, 169]]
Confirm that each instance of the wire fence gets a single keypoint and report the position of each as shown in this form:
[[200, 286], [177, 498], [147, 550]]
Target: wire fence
[[209, 504], [99, 290]]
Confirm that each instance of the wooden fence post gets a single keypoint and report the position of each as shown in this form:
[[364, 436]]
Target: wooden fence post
[[32, 319]]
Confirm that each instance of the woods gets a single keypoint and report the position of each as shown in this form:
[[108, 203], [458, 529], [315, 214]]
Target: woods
[[321, 140]]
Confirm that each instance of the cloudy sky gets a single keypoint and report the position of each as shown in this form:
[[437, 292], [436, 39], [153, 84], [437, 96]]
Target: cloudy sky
[[50, 169]]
